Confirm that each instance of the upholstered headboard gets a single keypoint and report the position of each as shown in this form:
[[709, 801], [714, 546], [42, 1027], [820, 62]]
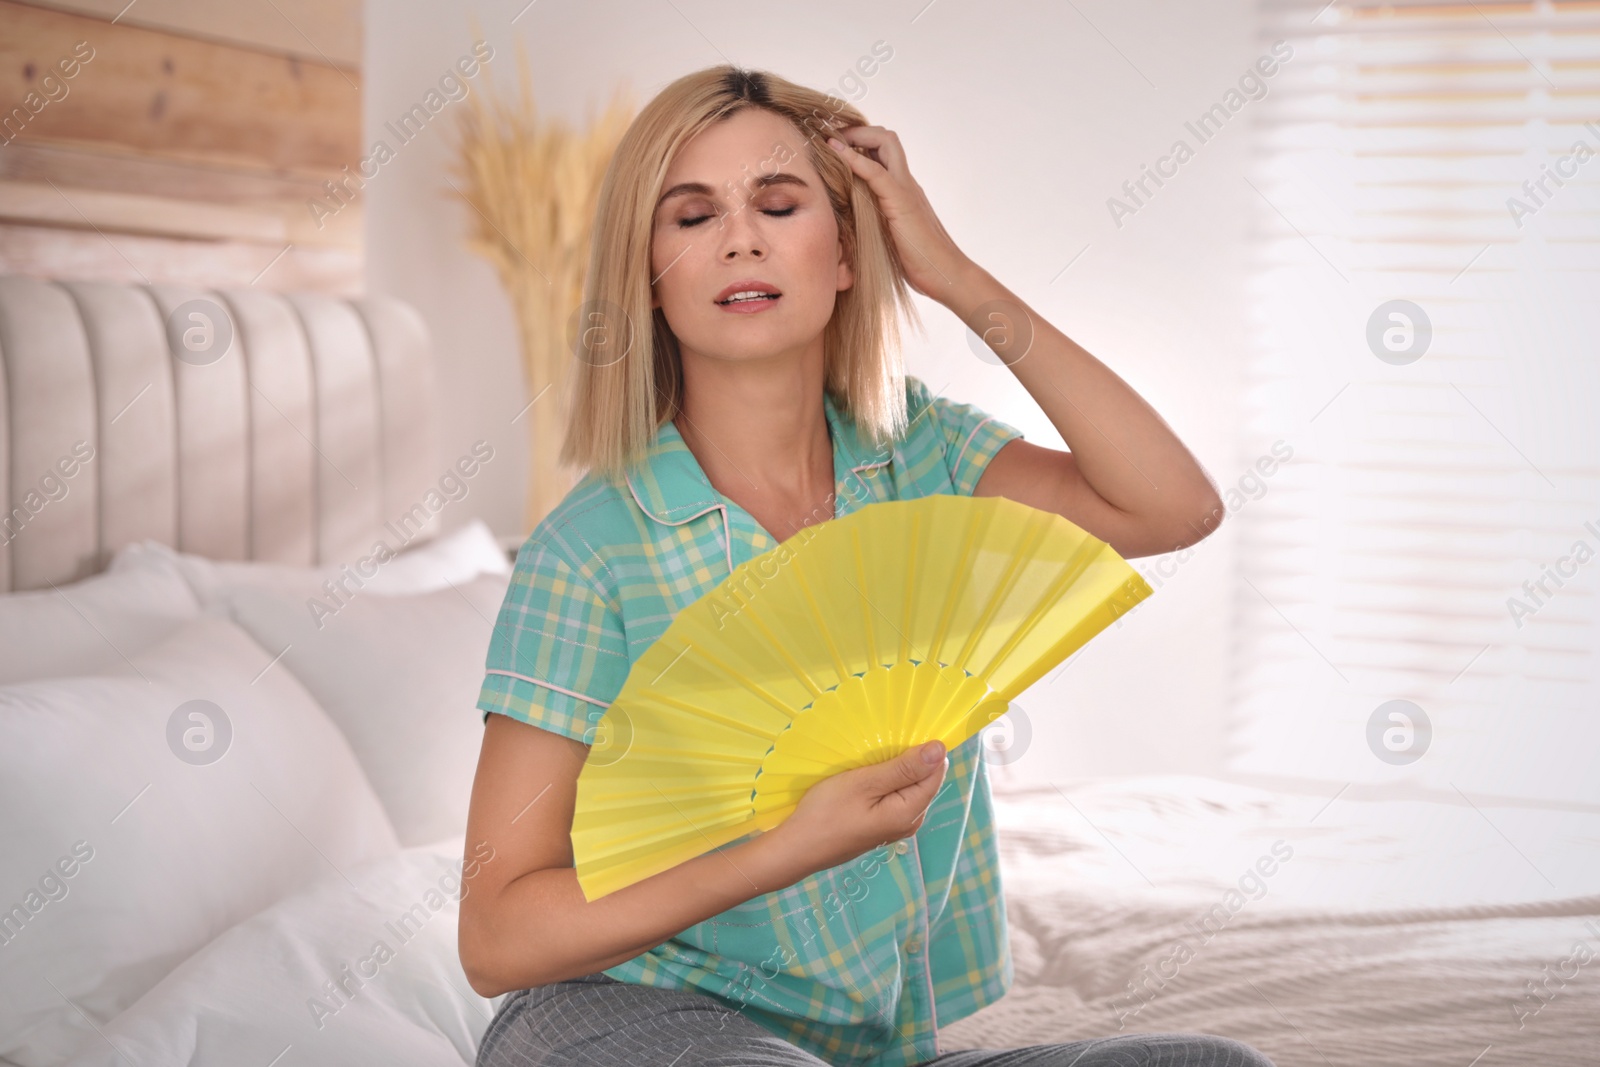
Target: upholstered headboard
[[129, 412]]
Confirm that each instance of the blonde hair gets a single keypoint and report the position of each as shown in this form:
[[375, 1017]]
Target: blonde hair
[[617, 402]]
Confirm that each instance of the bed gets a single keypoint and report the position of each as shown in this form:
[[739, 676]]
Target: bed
[[236, 744]]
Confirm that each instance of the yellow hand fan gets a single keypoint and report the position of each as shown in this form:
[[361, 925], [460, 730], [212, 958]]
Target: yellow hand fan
[[904, 621]]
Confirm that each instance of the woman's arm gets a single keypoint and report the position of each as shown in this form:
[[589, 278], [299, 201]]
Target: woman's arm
[[1127, 478], [525, 922]]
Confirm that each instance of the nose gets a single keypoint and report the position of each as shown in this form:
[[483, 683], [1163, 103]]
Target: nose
[[739, 233]]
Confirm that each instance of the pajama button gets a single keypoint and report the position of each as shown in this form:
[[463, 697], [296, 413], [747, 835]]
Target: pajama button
[[913, 945], [901, 848]]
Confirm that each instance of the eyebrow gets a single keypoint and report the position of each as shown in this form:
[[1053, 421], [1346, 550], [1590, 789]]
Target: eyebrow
[[702, 189]]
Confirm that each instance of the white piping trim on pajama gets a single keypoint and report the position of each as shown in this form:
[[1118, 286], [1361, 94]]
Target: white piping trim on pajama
[[927, 946], [965, 444], [726, 536], [547, 685]]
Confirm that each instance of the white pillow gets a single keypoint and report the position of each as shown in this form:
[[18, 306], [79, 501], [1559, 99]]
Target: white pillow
[[121, 858], [401, 676], [90, 625], [261, 988], [456, 557], [450, 559]]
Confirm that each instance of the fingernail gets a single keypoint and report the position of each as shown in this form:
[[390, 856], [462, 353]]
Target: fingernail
[[836, 143], [932, 752]]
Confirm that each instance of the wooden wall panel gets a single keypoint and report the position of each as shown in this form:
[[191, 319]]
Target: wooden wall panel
[[114, 170], [48, 203], [328, 31], [41, 252], [160, 94], [129, 153]]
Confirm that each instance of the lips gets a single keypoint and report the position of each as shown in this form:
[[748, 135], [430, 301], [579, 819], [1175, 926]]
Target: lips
[[746, 287]]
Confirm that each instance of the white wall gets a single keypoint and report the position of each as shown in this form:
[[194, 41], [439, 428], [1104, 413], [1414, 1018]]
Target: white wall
[[1020, 120]]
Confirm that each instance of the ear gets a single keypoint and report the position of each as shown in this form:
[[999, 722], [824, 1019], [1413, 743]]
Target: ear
[[846, 275]]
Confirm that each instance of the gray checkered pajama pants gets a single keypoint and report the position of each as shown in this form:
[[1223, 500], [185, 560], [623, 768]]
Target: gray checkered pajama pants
[[597, 1021]]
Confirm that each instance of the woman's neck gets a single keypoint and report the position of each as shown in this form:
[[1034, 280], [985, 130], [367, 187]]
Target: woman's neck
[[760, 433]]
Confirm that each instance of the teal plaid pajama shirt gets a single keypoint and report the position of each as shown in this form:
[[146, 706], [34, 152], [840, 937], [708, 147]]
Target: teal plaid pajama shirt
[[858, 964]]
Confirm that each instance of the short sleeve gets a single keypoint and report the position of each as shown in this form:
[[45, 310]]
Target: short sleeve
[[969, 436], [559, 654]]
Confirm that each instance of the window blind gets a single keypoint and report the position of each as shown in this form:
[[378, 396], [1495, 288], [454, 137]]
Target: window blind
[[1446, 450]]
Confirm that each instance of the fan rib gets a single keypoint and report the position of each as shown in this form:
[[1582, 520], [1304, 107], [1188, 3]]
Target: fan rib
[[794, 664], [694, 711], [1034, 532], [744, 683], [1080, 561], [866, 604], [1126, 598], [841, 668], [911, 589], [941, 631]]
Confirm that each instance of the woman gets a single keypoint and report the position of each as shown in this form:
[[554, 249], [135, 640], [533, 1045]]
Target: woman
[[736, 384]]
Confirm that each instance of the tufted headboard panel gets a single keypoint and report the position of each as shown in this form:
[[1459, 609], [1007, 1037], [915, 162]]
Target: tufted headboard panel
[[239, 425]]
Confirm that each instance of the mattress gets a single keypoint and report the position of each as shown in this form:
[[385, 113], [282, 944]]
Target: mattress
[[1353, 926]]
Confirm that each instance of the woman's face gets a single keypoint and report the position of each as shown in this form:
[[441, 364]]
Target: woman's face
[[742, 202]]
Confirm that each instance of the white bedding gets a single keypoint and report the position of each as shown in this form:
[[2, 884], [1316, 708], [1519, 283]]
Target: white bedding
[[144, 813], [165, 775], [269, 990], [1398, 932]]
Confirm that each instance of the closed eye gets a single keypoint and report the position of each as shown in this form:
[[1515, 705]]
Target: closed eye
[[783, 213]]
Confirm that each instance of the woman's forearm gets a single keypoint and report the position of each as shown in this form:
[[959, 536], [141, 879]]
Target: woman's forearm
[[1124, 449], [540, 929]]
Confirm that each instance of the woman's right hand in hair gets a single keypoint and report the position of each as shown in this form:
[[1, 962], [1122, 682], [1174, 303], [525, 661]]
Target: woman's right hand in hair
[[848, 813]]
